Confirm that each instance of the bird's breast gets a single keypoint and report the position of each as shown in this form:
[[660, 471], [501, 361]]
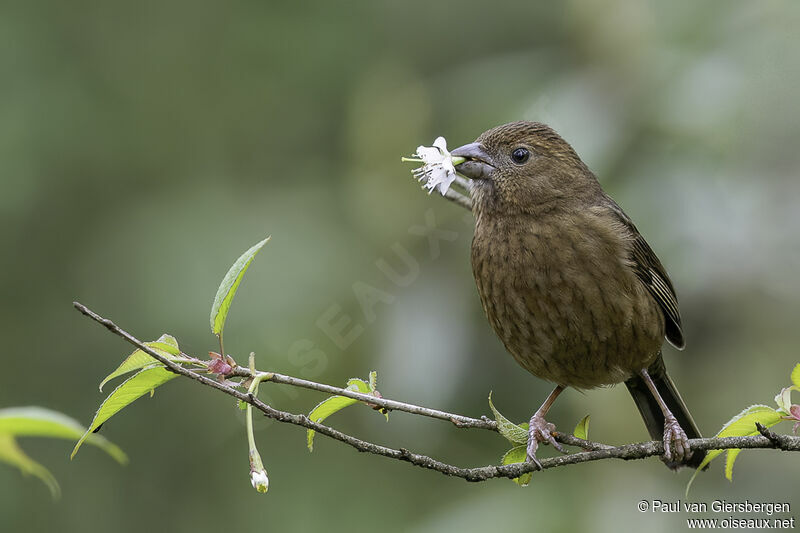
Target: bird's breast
[[559, 293]]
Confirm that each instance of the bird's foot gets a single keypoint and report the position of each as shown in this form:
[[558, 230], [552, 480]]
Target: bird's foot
[[676, 443], [540, 430]]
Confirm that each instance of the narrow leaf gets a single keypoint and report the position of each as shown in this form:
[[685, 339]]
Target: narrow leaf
[[334, 404], [143, 382], [514, 433], [322, 411], [166, 345], [741, 425], [12, 454], [41, 422], [582, 429], [796, 376], [373, 389], [518, 454], [227, 289], [729, 460]]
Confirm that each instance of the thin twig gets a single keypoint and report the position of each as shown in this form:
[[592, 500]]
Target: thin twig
[[461, 199], [464, 200], [464, 183], [782, 442], [460, 421], [598, 451]]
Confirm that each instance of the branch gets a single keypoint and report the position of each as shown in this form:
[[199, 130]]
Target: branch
[[384, 403], [596, 451], [459, 198]]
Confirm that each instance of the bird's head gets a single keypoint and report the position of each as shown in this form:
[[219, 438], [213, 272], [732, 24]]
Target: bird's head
[[522, 167]]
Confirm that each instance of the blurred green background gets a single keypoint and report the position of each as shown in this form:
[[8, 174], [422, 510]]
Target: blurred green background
[[144, 146]]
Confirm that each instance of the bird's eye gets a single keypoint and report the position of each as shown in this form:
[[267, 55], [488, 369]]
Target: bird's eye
[[520, 155]]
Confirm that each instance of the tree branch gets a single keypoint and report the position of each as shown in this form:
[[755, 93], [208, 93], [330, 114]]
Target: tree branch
[[595, 451], [391, 405], [461, 199]]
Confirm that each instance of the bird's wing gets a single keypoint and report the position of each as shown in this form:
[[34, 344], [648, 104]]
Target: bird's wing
[[654, 277]]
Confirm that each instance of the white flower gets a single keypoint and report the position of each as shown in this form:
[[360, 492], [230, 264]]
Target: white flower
[[438, 170], [259, 480]]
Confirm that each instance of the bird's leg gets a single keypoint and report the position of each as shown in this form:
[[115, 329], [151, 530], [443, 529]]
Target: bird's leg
[[540, 430], [676, 443]]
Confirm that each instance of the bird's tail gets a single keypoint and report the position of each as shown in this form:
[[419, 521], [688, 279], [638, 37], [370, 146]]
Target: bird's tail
[[651, 412]]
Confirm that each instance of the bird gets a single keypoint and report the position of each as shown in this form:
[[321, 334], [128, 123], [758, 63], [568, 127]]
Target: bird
[[569, 284]]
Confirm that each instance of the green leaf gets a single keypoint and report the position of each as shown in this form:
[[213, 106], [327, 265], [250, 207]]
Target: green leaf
[[514, 433], [227, 289], [336, 403], [12, 454], [322, 411], [518, 454], [744, 423], [796, 376], [373, 387], [741, 425], [143, 382], [166, 345], [358, 385], [582, 429], [41, 422], [730, 458]]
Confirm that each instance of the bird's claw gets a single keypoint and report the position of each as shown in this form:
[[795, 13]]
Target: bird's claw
[[540, 430], [676, 443]]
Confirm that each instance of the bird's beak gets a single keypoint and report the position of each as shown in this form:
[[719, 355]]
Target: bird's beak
[[478, 164]]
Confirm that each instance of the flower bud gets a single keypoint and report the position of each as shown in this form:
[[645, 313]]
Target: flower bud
[[259, 480]]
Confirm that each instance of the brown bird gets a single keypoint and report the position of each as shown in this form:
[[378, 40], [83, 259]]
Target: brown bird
[[569, 284]]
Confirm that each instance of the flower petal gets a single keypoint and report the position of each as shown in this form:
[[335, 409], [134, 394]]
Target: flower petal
[[429, 155], [438, 170], [784, 399], [259, 480]]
